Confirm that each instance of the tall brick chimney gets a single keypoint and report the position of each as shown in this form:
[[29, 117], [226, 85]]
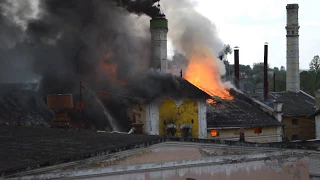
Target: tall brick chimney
[[159, 30], [293, 74]]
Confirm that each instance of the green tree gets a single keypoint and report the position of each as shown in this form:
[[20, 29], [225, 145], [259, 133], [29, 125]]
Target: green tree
[[280, 79], [307, 79], [257, 71], [227, 49], [310, 80], [223, 56], [314, 65]]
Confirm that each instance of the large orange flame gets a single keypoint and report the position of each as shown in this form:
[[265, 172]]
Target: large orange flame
[[111, 69], [203, 72]]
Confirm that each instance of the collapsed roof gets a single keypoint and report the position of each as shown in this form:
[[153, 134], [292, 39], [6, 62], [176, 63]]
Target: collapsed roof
[[19, 104]]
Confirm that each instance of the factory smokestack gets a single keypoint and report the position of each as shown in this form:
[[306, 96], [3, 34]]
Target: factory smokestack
[[236, 66], [159, 30], [293, 76], [265, 70]]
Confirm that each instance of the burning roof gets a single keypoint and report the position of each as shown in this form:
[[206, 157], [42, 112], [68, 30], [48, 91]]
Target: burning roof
[[21, 105], [238, 113], [164, 85]]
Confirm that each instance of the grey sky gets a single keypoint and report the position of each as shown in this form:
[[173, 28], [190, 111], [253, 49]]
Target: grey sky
[[250, 23]]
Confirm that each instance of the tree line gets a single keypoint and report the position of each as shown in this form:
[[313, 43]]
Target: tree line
[[309, 79]]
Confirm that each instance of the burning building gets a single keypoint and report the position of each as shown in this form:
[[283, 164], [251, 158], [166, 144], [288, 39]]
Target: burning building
[[180, 110]]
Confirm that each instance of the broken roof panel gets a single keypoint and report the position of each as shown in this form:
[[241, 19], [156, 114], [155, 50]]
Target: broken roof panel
[[238, 113], [19, 103]]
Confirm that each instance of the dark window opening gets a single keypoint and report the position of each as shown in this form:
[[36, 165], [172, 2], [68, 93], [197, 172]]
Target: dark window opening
[[186, 130], [257, 130], [295, 122], [292, 32], [294, 137]]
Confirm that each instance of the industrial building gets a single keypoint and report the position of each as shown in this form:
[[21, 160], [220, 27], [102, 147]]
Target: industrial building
[[297, 106], [186, 109], [184, 138]]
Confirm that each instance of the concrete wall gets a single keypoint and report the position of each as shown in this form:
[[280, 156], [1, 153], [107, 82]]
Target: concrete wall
[[305, 128], [268, 134], [177, 161]]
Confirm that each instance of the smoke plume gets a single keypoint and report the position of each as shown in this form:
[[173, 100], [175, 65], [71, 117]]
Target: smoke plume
[[189, 30], [103, 43]]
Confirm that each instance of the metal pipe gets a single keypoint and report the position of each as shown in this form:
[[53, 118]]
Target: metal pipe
[[266, 83], [274, 82], [236, 66]]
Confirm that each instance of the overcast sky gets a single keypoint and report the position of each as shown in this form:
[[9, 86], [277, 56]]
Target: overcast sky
[[250, 23]]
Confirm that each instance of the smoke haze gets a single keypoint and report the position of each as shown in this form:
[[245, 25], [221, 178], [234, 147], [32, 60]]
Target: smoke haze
[[99, 42], [189, 30]]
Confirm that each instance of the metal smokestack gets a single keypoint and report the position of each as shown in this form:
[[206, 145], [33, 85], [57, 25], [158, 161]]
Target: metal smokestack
[[236, 66], [265, 69]]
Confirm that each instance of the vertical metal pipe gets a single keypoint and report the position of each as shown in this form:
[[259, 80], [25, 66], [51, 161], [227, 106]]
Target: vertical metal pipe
[[80, 97], [236, 66], [274, 82], [266, 88]]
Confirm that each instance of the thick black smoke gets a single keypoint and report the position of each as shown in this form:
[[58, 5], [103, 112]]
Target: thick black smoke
[[70, 41], [103, 43]]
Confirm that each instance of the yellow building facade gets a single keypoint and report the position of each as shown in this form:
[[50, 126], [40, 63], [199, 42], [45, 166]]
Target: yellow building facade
[[170, 117]]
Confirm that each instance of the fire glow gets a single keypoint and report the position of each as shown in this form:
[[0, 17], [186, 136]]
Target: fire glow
[[203, 72], [111, 69]]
